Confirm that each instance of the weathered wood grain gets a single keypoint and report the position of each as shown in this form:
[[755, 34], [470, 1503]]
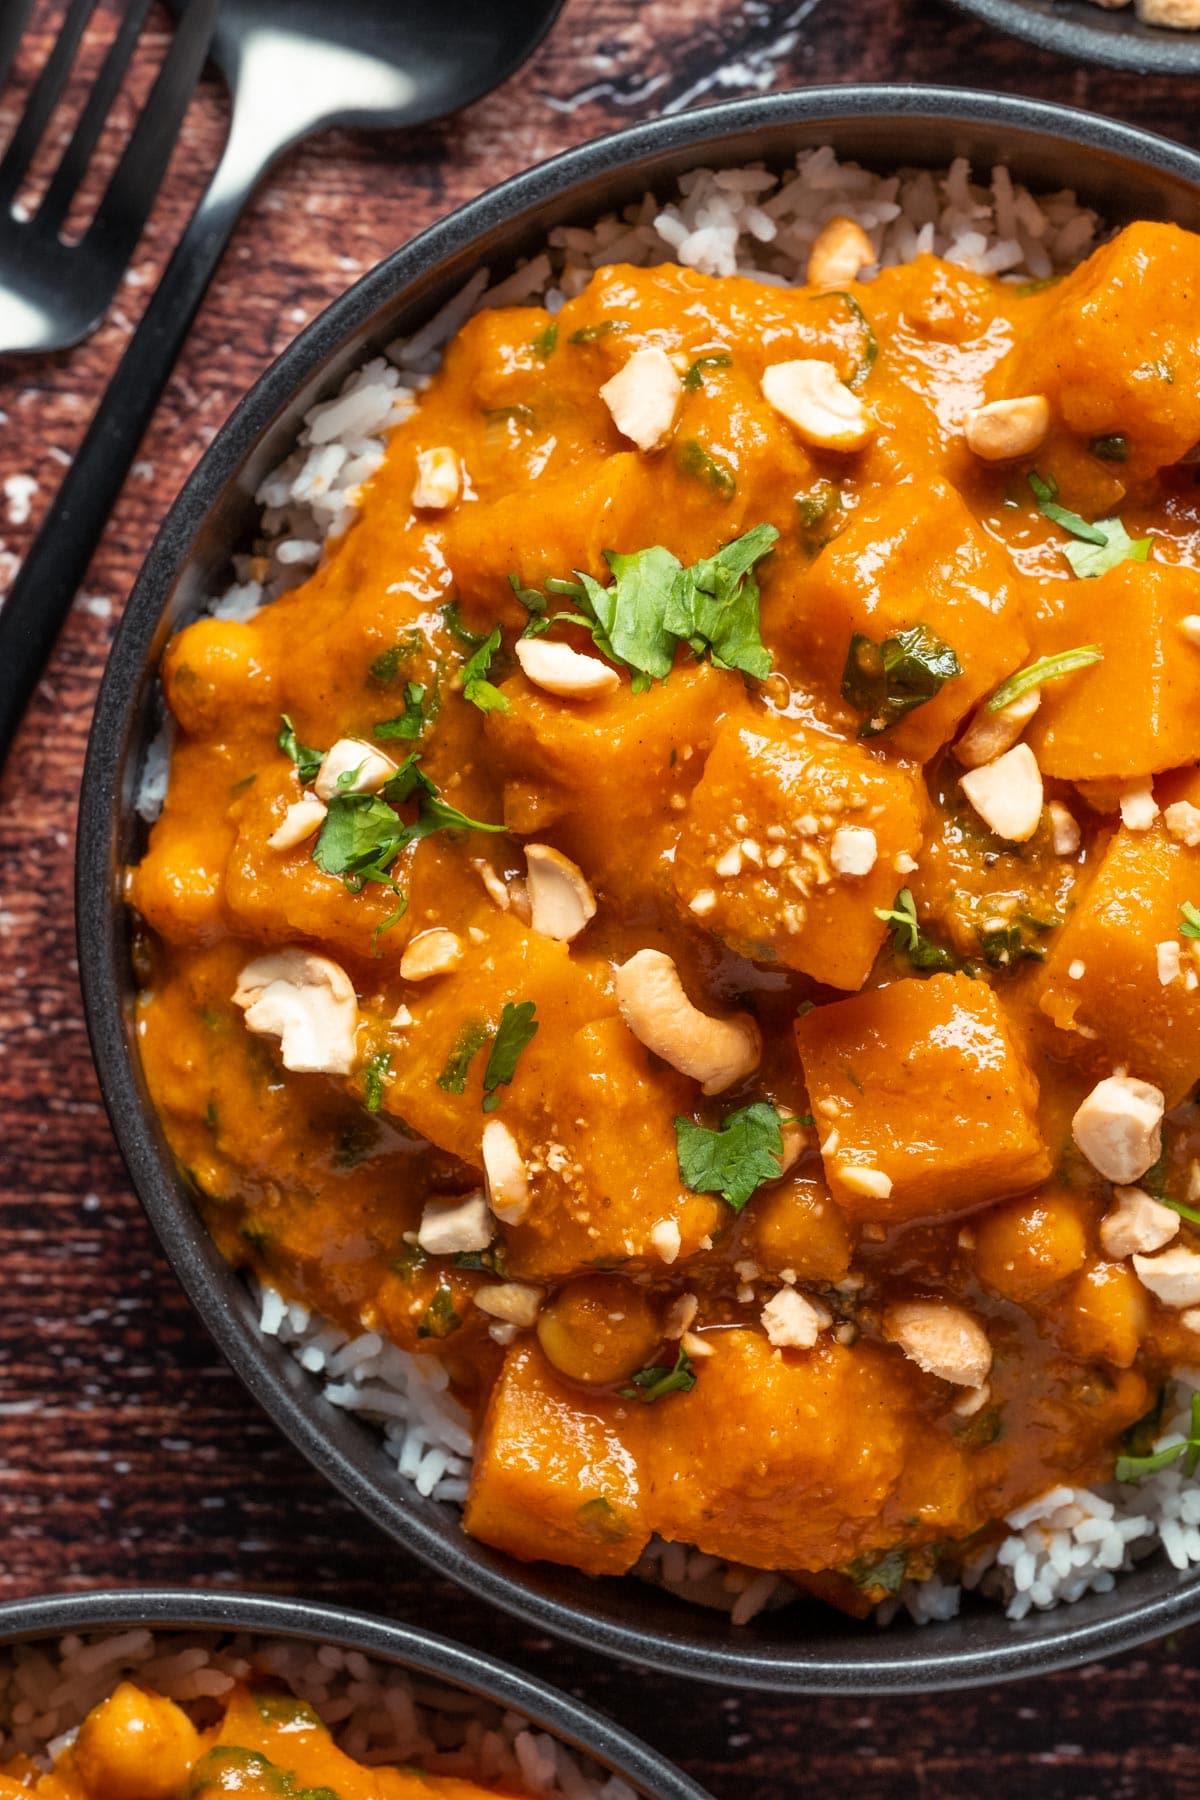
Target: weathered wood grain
[[128, 1453]]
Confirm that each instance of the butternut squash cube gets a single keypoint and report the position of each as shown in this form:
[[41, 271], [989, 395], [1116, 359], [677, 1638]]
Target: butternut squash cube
[[1100, 987], [1109, 362], [924, 1100], [773, 833], [910, 557], [1138, 711], [553, 1481]]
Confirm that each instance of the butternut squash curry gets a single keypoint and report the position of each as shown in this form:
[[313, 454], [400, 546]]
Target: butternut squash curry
[[138, 1745], [691, 915]]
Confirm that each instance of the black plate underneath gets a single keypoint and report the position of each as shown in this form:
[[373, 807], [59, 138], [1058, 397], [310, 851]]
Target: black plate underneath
[[1089, 33]]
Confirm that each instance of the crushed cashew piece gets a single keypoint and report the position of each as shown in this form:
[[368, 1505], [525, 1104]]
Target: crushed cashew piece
[[439, 479], [567, 673], [871, 1184], [1006, 428], [1172, 1277], [300, 821], [1182, 821], [308, 1003], [454, 1224], [1167, 961], [1065, 826], [1119, 1128], [990, 734], [560, 901], [1139, 809], [1007, 794], [792, 1321], [1137, 1223], [643, 398], [811, 396], [434, 952], [504, 1172], [853, 850], [666, 1239], [352, 767], [515, 1302], [942, 1339]]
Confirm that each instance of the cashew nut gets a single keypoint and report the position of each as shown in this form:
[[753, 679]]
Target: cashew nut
[[301, 819], [455, 1224], [868, 1184], [1139, 808], [652, 1002], [1065, 826], [308, 1003], [811, 396], [990, 734], [841, 251], [1007, 794], [1173, 1277], [439, 479], [563, 671], [1137, 1223], [854, 850], [942, 1339], [434, 952], [516, 1302], [1119, 1128], [1008, 428], [367, 768], [1182, 821], [504, 1171], [792, 1321], [643, 398], [560, 901]]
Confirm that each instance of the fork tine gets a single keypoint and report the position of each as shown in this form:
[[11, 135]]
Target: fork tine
[[137, 177], [43, 98], [12, 24], [78, 153]]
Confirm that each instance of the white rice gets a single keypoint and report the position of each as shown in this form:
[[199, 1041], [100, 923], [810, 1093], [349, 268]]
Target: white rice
[[752, 222], [378, 1714]]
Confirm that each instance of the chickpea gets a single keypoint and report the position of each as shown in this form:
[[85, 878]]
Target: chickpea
[[599, 1329], [136, 1746]]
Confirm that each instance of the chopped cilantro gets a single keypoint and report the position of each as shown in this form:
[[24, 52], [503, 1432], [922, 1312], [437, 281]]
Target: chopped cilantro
[[476, 686], [1189, 920], [470, 1040], [714, 604], [360, 838], [694, 459], [1111, 448], [307, 761], [386, 666], [411, 722], [376, 1069], [588, 334], [1050, 668], [454, 625], [491, 1261], [515, 415], [600, 1519], [818, 509], [1005, 945], [545, 343], [656, 1382], [1185, 1212], [1044, 493], [695, 376], [1136, 1468], [735, 1160], [870, 349], [439, 1318], [908, 939], [1089, 560], [408, 1261], [888, 680], [517, 1029], [887, 1572]]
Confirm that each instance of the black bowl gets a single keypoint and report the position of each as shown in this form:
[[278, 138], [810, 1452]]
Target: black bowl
[[1126, 173], [400, 1646], [1088, 33]]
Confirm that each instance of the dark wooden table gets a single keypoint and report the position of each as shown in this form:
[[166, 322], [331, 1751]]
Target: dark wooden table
[[128, 1452]]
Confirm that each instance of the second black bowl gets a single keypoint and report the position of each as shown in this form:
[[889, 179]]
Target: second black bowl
[[1121, 171]]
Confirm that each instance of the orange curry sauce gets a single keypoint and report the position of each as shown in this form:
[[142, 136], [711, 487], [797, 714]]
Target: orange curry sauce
[[927, 1083], [138, 1745]]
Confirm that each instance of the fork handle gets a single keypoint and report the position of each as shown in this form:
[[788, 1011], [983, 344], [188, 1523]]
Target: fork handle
[[53, 571]]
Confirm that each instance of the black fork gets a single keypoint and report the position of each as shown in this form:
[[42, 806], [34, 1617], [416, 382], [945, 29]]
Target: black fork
[[53, 293]]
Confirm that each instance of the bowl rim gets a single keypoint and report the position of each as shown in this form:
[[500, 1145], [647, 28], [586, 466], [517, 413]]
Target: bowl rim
[[1025, 1648], [1126, 44], [404, 1646]]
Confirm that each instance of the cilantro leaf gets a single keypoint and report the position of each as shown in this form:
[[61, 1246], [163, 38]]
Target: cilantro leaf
[[470, 1040], [588, 334], [307, 760], [714, 604], [1189, 920], [439, 1318], [411, 722], [694, 459], [656, 1382], [888, 680], [695, 376], [373, 1076], [544, 344], [386, 666], [1044, 492], [360, 838], [1136, 1468], [454, 625], [1088, 560], [908, 939], [630, 613], [1049, 668], [735, 1160], [476, 686], [517, 1029]]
